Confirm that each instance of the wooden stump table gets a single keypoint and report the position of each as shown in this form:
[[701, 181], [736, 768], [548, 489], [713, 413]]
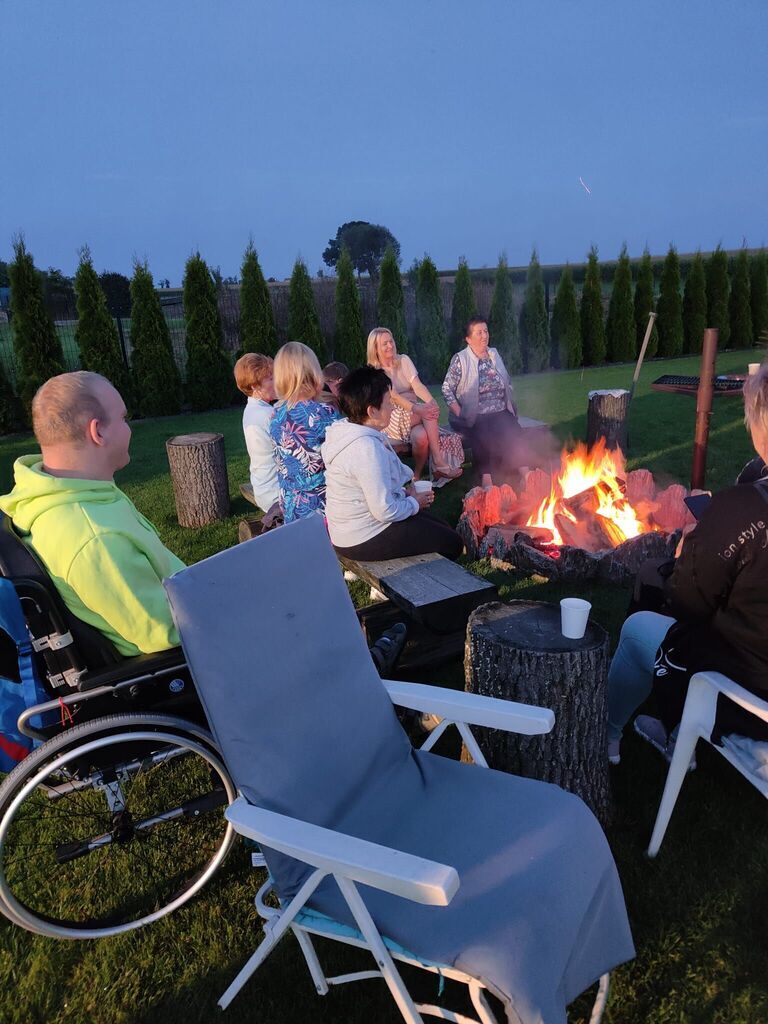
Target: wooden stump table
[[607, 418], [516, 651], [199, 476]]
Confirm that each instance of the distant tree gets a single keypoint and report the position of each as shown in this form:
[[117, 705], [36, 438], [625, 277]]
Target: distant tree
[[257, 318], [164, 283], [502, 321], [303, 324], [11, 415], [695, 306], [390, 304], [117, 289], [464, 305], [35, 341], [96, 333], [209, 375], [591, 313], [565, 326], [534, 324], [5, 281], [645, 304], [620, 326], [670, 322], [718, 293], [432, 344], [349, 345], [367, 244], [157, 384], [740, 309], [759, 295]]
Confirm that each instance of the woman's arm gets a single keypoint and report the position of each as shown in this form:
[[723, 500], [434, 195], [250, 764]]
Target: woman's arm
[[451, 382], [373, 477]]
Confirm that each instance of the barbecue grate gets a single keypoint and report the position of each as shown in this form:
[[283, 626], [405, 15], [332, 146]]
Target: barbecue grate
[[680, 384]]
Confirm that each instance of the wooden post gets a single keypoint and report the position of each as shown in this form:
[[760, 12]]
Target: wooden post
[[704, 407], [607, 417], [199, 476], [516, 651]]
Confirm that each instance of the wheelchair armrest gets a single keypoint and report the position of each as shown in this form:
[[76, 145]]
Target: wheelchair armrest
[[138, 667]]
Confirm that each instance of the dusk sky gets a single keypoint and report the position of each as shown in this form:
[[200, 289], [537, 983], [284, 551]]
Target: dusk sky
[[154, 129]]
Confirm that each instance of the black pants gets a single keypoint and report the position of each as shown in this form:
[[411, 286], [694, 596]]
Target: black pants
[[496, 439], [417, 535]]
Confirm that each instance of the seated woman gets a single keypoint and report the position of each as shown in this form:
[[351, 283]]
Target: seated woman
[[717, 600], [298, 429], [478, 392], [373, 510], [253, 376], [410, 421]]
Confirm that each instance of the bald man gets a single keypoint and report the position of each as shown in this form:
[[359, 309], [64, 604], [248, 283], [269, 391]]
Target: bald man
[[104, 557]]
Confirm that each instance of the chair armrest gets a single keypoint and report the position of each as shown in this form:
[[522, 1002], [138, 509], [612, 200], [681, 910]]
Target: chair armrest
[[471, 708], [402, 874], [744, 698]]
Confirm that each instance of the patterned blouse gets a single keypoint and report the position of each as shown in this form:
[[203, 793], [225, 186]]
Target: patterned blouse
[[298, 432], [492, 394]]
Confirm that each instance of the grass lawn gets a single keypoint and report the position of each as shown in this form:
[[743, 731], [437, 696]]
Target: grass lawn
[[698, 912]]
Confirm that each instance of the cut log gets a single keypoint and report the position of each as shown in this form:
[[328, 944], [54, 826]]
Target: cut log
[[199, 476], [607, 417], [516, 651]]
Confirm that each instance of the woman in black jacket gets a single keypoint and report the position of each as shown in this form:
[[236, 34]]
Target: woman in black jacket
[[717, 603]]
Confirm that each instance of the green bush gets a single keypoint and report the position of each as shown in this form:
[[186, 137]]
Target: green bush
[[157, 384], [645, 304], [740, 310], [591, 313], [670, 321], [718, 294], [11, 417], [96, 331], [620, 327], [432, 343], [257, 319], [695, 306], [759, 295], [534, 324], [303, 323], [209, 375], [502, 322], [390, 303], [463, 306], [565, 326], [349, 344]]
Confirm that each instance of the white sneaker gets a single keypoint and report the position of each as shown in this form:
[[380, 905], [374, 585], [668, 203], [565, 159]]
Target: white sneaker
[[652, 731], [614, 751], [376, 595], [349, 576]]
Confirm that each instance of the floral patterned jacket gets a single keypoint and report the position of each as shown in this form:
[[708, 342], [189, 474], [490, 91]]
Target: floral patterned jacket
[[298, 431]]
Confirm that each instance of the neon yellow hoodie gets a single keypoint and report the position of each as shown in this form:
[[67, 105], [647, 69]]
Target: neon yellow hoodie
[[105, 558]]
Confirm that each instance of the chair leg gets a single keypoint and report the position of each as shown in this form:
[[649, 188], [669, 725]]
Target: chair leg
[[480, 1003], [685, 744], [601, 999], [310, 955]]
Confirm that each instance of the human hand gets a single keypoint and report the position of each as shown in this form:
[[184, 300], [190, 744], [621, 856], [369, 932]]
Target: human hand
[[430, 410], [424, 498]]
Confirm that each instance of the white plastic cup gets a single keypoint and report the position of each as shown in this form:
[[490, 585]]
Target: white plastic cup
[[422, 486], [753, 368], [574, 615]]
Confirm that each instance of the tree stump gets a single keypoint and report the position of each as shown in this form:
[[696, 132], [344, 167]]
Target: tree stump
[[199, 477], [516, 651], [607, 417]]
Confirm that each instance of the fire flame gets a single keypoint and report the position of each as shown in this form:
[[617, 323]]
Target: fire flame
[[595, 470]]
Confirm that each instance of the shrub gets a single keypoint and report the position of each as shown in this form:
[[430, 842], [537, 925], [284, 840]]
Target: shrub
[[759, 295], [157, 384], [740, 310], [96, 331], [463, 306], [670, 322], [432, 345], [620, 328], [718, 292], [565, 326], [257, 319], [644, 304], [349, 344], [303, 324], [209, 375], [695, 306], [11, 417], [502, 322], [591, 313], [534, 324], [390, 304]]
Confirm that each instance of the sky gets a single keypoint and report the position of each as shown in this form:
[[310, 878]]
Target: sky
[[151, 130]]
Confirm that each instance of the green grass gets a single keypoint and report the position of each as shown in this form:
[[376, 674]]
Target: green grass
[[698, 912]]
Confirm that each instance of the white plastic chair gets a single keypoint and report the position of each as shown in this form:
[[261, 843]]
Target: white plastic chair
[[697, 723]]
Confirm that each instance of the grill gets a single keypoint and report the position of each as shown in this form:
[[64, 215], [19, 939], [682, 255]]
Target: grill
[[679, 384]]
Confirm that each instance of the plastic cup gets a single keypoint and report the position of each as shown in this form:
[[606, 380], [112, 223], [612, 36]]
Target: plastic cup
[[422, 486], [574, 615], [753, 368]]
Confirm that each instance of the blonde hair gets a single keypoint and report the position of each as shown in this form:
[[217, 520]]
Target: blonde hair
[[64, 406], [756, 400], [373, 346], [251, 370], [297, 371]]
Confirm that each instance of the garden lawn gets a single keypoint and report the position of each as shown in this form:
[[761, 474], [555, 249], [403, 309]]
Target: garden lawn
[[698, 912]]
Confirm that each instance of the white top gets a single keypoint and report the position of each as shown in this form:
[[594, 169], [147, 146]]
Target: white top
[[402, 374], [256, 418]]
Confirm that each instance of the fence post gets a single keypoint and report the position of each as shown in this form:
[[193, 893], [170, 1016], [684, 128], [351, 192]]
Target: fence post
[[121, 336]]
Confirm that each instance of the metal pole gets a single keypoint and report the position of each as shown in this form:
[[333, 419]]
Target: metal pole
[[704, 407], [641, 357]]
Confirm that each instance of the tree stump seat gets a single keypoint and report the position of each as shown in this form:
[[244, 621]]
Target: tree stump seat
[[199, 476]]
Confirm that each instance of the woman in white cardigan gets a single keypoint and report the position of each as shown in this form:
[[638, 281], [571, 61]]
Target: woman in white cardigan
[[253, 376]]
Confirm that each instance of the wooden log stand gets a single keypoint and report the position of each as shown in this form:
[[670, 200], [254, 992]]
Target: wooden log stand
[[607, 417], [199, 476], [516, 651]]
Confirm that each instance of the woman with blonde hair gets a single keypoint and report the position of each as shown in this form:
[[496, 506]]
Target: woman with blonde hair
[[411, 420], [298, 429]]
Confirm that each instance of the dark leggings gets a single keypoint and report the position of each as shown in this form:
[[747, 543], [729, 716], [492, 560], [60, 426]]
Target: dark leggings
[[496, 439], [421, 534]]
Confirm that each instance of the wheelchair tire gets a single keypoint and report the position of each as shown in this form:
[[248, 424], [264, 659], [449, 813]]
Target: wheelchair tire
[[111, 825]]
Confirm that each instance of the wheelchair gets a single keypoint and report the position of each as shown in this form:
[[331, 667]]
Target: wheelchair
[[116, 818]]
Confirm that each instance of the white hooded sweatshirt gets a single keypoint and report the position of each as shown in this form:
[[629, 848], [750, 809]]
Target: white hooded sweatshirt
[[365, 483]]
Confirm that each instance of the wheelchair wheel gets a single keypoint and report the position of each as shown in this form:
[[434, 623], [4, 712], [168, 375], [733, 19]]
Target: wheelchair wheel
[[111, 825]]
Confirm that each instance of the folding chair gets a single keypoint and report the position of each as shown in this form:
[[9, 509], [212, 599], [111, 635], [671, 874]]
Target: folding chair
[[697, 723], [504, 883]]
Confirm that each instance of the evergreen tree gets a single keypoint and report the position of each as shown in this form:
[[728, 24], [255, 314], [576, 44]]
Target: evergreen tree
[[390, 303], [566, 328], [349, 344], [35, 341], [758, 291], [645, 304], [209, 375], [670, 321], [157, 383], [502, 322], [463, 306], [96, 331], [620, 327], [591, 313], [11, 418], [303, 323], [740, 309], [534, 323], [432, 346], [718, 292], [695, 306], [257, 319]]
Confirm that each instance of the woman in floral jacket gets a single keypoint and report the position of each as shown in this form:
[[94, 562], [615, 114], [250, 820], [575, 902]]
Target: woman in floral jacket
[[298, 429]]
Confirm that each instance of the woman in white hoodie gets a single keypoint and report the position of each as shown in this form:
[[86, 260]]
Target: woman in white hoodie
[[372, 508]]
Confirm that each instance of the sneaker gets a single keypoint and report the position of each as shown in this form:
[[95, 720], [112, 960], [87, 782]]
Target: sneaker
[[388, 649], [376, 595], [349, 576], [428, 722], [652, 731], [614, 751]]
